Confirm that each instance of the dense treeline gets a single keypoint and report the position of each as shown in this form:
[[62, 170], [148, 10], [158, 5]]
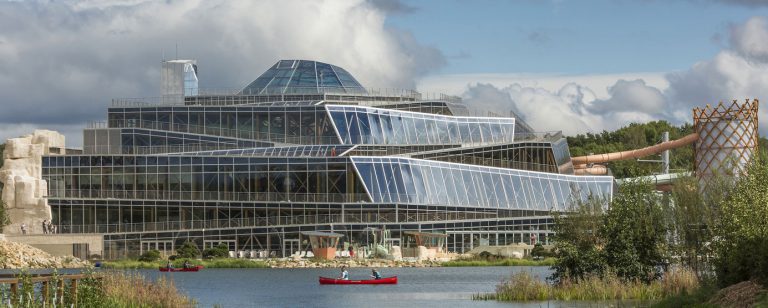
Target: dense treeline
[[636, 136]]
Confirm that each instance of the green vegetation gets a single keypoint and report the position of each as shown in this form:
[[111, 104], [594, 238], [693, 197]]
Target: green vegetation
[[111, 290], [539, 252], [150, 256], [619, 252], [220, 251], [627, 240], [741, 245], [213, 263], [188, 250], [523, 286], [498, 262], [4, 218]]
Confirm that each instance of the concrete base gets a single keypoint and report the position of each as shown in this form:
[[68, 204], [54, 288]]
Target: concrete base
[[61, 245]]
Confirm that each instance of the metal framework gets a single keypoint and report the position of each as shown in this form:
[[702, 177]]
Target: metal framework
[[728, 138]]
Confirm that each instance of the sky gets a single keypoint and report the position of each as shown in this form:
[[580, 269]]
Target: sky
[[576, 66]]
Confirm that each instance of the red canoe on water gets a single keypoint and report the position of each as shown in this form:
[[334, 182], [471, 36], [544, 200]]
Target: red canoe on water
[[387, 280], [191, 269]]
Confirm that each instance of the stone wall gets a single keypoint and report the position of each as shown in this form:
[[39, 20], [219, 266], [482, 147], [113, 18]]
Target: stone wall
[[24, 190]]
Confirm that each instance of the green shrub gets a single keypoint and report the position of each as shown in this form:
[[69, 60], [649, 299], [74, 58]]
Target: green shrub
[[742, 243], [188, 250], [150, 256], [220, 251], [628, 238], [539, 252]]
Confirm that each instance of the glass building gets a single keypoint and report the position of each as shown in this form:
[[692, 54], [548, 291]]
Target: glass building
[[305, 147]]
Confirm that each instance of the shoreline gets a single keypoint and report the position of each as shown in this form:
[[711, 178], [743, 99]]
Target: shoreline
[[311, 263]]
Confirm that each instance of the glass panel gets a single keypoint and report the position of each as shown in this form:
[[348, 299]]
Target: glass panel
[[341, 124], [354, 127]]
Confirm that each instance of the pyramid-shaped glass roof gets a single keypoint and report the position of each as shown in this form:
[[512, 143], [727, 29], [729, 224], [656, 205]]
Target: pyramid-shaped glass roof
[[303, 77]]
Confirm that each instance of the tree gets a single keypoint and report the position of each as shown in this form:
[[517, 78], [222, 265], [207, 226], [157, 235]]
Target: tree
[[692, 217], [634, 136], [150, 256], [627, 239], [741, 242], [220, 251], [634, 233], [188, 250], [539, 252], [577, 244]]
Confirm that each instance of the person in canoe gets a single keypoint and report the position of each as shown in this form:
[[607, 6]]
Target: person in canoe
[[186, 264], [375, 274], [169, 265], [344, 274]]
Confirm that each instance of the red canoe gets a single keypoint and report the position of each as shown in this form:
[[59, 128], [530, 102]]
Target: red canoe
[[191, 269], [387, 280]]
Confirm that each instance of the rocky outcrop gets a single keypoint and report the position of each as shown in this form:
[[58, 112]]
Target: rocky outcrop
[[16, 256], [24, 190]]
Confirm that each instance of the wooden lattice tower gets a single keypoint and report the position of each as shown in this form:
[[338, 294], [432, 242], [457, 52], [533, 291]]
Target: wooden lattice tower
[[728, 139]]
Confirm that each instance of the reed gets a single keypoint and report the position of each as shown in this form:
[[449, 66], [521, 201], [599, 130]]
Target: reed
[[468, 262], [123, 289], [523, 286]]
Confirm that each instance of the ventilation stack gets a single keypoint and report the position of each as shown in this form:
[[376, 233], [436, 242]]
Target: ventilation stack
[[728, 137]]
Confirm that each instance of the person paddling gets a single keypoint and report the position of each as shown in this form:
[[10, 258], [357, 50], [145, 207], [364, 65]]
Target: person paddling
[[375, 274], [344, 274]]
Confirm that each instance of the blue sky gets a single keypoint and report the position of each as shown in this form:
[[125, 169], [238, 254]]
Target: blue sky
[[575, 66], [571, 37]]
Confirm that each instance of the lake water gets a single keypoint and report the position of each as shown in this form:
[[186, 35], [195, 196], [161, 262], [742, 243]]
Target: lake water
[[417, 287]]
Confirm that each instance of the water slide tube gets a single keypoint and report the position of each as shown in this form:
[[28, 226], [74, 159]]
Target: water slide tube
[[581, 163]]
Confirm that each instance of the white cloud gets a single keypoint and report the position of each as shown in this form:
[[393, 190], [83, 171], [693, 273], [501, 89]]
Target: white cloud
[[737, 72], [456, 84], [750, 40], [62, 62]]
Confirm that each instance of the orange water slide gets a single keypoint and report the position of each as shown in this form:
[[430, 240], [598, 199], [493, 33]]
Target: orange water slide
[[580, 163]]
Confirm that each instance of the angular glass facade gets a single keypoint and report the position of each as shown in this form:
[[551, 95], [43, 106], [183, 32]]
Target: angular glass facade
[[366, 125], [305, 147], [440, 183]]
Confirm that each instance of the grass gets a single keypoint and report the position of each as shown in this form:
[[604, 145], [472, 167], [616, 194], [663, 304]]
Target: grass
[[523, 286], [133, 290], [213, 263], [498, 262], [698, 298], [106, 289]]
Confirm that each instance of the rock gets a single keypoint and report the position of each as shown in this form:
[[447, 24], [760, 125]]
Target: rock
[[16, 255], [24, 190]]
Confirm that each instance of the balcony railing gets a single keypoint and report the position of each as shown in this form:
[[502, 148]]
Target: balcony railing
[[208, 195], [235, 96], [403, 217]]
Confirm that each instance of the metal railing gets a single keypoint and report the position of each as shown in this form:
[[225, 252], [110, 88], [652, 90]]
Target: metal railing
[[288, 138], [208, 195], [236, 96], [158, 149], [404, 217], [51, 289]]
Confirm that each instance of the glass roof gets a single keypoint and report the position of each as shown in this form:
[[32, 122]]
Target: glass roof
[[303, 77]]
